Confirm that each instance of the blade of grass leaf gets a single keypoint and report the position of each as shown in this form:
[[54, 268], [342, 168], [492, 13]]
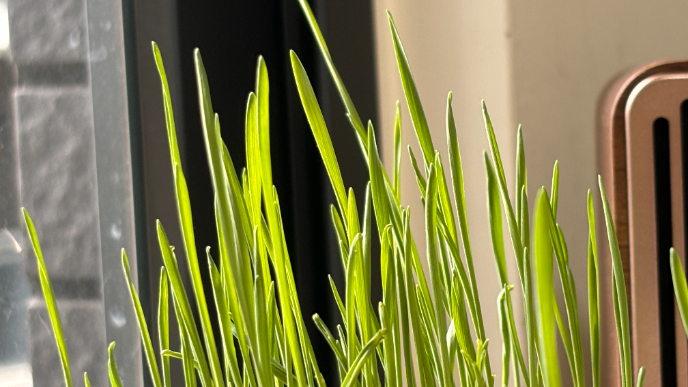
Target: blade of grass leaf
[[495, 215], [367, 350], [164, 325], [420, 123], [593, 295], [543, 289], [397, 154], [231, 364], [113, 372], [555, 189], [50, 302], [184, 315], [620, 296], [143, 326], [680, 287], [319, 129], [343, 93]]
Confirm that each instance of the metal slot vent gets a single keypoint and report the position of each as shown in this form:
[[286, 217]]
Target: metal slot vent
[[643, 156]]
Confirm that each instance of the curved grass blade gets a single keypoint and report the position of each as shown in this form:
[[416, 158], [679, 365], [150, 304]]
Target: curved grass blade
[[113, 372], [167, 103], [593, 295], [495, 215], [641, 377], [181, 301], [680, 287], [50, 302], [319, 129], [555, 189], [87, 383], [164, 325], [544, 265], [357, 364], [620, 298], [143, 326], [397, 154], [420, 123], [343, 93]]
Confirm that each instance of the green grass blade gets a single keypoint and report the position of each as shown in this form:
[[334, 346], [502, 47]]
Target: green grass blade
[[319, 129], [87, 383], [397, 154], [495, 215], [680, 287], [331, 341], [184, 315], [593, 295], [435, 274], [555, 189], [420, 123], [420, 180], [620, 296], [456, 169], [50, 302], [367, 351], [514, 230], [641, 377], [113, 372], [167, 104], [343, 93], [164, 325], [143, 326], [521, 175], [544, 261], [185, 220], [506, 337]]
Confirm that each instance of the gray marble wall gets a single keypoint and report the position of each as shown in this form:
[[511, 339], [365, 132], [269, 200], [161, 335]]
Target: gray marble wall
[[48, 165]]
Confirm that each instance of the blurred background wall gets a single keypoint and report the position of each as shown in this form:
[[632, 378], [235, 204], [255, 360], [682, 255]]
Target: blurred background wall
[[542, 64]]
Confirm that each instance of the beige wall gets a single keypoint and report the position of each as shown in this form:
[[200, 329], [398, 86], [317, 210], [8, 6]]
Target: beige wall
[[539, 63]]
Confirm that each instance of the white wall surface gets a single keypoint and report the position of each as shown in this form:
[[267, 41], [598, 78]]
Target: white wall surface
[[539, 63]]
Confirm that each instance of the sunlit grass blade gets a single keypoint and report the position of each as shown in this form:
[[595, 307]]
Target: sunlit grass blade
[[367, 350], [50, 302], [544, 265], [167, 104], [351, 112], [495, 215], [420, 179], [184, 315], [230, 355], [501, 179], [420, 123], [113, 372], [319, 129], [185, 220], [397, 153], [456, 169], [593, 295], [143, 326], [554, 200], [504, 328], [435, 275], [164, 327], [641, 377], [87, 382], [680, 287], [521, 175], [619, 296]]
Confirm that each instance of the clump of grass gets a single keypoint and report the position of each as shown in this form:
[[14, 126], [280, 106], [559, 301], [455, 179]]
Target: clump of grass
[[263, 337]]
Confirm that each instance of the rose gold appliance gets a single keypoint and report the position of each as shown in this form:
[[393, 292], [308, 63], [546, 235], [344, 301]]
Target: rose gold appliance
[[643, 157]]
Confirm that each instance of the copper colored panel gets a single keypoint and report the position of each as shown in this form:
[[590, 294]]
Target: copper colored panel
[[627, 114]]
